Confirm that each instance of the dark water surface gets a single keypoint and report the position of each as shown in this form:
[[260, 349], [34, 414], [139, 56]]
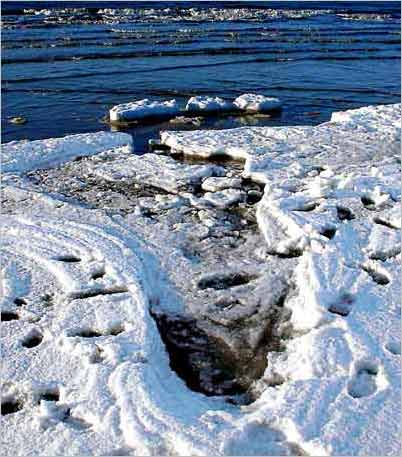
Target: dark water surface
[[64, 69]]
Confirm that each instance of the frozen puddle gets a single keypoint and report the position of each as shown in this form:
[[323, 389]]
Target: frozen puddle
[[157, 306]]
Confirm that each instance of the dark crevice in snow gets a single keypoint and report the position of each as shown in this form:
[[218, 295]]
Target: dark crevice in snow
[[68, 259], [10, 407], [90, 333], [364, 382], [385, 223], [329, 233], [87, 333], [9, 316], [98, 274], [20, 301], [344, 213], [50, 394], [368, 203], [47, 300], [295, 252], [96, 292], [225, 281], [308, 207], [376, 276], [343, 305], [32, 340]]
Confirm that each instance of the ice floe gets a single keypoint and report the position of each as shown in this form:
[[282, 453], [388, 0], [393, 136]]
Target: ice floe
[[200, 105], [141, 109], [204, 104], [255, 103], [124, 276]]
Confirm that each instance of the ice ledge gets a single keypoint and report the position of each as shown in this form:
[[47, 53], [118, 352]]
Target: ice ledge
[[23, 156]]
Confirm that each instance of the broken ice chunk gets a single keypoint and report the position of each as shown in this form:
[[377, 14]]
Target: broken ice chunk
[[207, 104], [213, 183], [157, 171], [225, 198], [141, 109], [254, 103]]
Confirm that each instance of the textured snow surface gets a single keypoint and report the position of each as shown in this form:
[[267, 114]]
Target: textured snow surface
[[205, 104], [155, 170], [200, 104], [141, 109], [21, 156], [84, 367], [257, 103]]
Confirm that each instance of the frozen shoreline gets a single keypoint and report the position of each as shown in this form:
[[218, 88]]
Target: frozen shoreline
[[329, 217]]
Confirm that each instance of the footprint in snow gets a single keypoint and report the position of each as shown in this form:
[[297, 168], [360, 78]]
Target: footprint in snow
[[365, 380]]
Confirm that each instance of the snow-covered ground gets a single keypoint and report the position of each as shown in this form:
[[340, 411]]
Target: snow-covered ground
[[98, 253], [22, 156]]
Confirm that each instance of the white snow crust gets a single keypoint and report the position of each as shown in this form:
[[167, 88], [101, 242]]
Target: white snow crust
[[157, 171], [255, 103], [205, 104], [141, 109], [198, 105], [22, 156], [331, 201]]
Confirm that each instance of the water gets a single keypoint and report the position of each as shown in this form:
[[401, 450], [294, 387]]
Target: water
[[62, 71]]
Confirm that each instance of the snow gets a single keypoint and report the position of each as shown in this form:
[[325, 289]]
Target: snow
[[254, 103], [224, 198], [213, 184], [84, 366], [141, 109], [205, 104], [22, 156], [157, 171], [197, 105]]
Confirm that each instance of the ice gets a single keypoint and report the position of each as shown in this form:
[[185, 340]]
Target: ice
[[331, 200], [197, 105], [213, 184], [370, 117], [254, 103], [141, 109], [120, 270], [21, 156], [225, 198], [204, 104], [125, 16], [157, 171]]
